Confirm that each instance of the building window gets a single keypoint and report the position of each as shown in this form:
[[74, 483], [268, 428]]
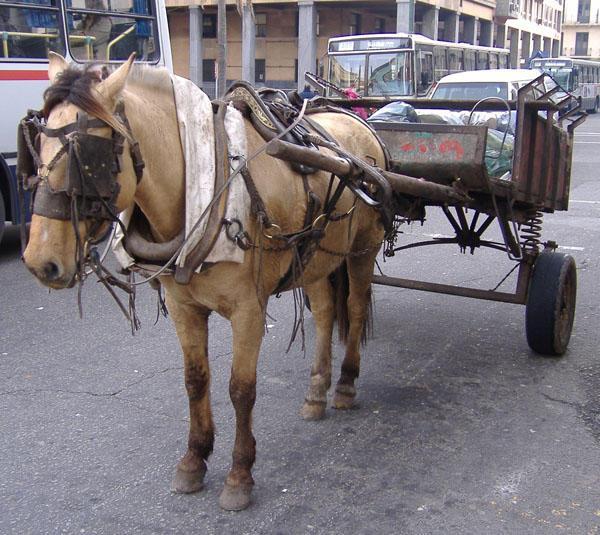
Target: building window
[[583, 11], [355, 26], [259, 70], [379, 25], [318, 24], [209, 26], [295, 70], [581, 43], [261, 24], [208, 70]]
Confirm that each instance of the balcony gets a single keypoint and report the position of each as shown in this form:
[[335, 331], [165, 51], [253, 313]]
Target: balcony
[[507, 9]]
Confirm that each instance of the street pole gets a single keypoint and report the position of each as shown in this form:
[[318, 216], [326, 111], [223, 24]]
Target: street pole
[[221, 47]]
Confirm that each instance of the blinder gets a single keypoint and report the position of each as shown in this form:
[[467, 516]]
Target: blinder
[[93, 163]]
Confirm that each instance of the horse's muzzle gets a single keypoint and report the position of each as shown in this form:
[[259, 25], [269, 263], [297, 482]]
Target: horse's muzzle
[[51, 274]]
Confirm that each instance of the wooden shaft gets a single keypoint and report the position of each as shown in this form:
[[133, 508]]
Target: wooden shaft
[[401, 184], [283, 150], [420, 187]]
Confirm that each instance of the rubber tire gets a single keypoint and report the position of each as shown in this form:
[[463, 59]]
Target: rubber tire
[[2, 216], [550, 308]]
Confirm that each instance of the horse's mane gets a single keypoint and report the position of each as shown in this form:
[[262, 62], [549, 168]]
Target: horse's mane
[[76, 85], [147, 76]]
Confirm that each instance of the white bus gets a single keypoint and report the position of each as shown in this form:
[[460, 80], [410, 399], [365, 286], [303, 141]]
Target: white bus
[[403, 65], [80, 30], [580, 77]]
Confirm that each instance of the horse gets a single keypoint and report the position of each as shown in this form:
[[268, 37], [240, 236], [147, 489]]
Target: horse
[[348, 247]]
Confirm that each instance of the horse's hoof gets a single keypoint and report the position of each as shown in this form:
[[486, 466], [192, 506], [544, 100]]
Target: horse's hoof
[[342, 401], [235, 498], [187, 482], [313, 410]]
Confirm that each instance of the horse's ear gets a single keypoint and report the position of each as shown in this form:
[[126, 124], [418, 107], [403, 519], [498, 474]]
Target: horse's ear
[[56, 65], [111, 87]]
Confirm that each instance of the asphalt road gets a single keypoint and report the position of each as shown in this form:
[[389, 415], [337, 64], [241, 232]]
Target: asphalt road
[[460, 428]]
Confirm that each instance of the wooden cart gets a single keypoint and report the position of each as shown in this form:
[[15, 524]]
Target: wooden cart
[[443, 166]]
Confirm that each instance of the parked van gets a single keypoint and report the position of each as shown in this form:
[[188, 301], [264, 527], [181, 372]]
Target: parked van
[[475, 85]]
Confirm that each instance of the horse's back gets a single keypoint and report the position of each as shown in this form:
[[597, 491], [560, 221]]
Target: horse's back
[[352, 134]]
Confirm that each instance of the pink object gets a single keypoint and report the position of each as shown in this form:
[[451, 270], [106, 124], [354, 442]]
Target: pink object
[[353, 95]]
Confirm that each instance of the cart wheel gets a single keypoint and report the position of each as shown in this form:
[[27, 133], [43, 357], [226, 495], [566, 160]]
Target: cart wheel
[[550, 307], [2, 216]]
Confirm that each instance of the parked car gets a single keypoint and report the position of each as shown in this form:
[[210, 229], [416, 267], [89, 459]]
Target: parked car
[[475, 85]]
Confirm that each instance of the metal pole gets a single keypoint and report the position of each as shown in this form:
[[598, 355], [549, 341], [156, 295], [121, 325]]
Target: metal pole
[[221, 47]]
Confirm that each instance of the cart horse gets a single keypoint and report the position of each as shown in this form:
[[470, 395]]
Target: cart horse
[[103, 144]]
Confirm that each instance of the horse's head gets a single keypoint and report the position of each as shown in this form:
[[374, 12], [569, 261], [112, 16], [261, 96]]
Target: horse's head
[[83, 177]]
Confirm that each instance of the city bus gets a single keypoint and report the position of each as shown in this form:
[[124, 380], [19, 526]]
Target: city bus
[[580, 77], [80, 30], [402, 64]]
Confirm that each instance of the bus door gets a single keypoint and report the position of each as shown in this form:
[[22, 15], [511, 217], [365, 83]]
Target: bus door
[[424, 71]]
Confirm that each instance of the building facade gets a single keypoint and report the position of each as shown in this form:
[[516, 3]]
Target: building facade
[[581, 29], [287, 38]]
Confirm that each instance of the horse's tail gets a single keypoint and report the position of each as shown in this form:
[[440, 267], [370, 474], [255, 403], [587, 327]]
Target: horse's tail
[[341, 290]]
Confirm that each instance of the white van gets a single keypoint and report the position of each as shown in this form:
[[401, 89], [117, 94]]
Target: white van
[[475, 85]]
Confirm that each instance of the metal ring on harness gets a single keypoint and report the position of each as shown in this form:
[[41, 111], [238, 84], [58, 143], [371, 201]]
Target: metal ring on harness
[[240, 237], [271, 236]]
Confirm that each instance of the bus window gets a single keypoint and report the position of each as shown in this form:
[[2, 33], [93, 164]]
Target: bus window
[[493, 60], [424, 72], [482, 60], [113, 35], [390, 74], [469, 60], [440, 65], [455, 61], [30, 32], [574, 79]]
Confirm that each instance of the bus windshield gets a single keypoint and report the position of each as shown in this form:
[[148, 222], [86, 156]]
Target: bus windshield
[[561, 75], [348, 71], [390, 74], [105, 30]]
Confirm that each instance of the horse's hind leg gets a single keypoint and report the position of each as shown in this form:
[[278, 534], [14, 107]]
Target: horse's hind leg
[[321, 301], [360, 271], [248, 328], [191, 323]]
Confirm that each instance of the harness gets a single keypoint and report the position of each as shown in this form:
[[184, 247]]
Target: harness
[[271, 112]]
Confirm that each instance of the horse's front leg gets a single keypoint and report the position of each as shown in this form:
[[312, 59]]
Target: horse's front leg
[[248, 328], [191, 323], [320, 295]]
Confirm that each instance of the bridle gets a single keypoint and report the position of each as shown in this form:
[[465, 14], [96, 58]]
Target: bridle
[[93, 164], [90, 188]]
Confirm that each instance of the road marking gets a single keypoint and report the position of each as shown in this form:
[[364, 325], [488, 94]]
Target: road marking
[[572, 248], [586, 202], [587, 142]]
